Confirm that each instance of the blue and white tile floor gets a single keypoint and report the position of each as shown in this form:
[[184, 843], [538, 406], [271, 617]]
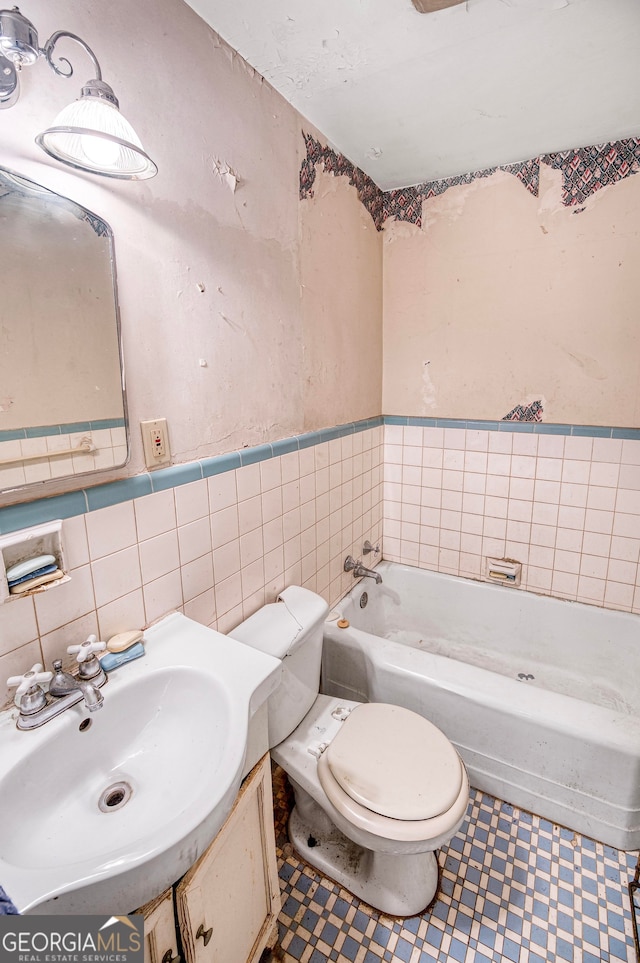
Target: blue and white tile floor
[[513, 887]]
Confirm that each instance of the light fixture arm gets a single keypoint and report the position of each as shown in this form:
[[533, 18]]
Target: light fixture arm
[[91, 134], [49, 48]]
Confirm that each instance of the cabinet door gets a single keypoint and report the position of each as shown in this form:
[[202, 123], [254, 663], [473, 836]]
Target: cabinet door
[[228, 903], [160, 940]]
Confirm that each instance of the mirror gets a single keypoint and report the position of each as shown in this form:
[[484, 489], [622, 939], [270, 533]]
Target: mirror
[[62, 400]]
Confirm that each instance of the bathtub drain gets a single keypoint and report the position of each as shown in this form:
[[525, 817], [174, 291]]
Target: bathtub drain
[[115, 797], [525, 676], [364, 598]]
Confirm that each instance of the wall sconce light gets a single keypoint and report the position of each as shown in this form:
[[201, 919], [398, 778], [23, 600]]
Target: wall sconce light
[[90, 134]]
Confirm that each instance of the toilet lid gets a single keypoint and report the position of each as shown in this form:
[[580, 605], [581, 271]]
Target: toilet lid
[[395, 763]]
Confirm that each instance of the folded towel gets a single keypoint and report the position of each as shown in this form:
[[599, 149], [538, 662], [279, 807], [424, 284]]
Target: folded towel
[[32, 582], [6, 905], [45, 570], [30, 565]]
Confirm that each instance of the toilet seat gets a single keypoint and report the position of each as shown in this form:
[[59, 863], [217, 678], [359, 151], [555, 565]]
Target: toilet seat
[[395, 763], [413, 782]]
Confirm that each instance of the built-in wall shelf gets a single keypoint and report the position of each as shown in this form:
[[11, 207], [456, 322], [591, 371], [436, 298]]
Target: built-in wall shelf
[[26, 545]]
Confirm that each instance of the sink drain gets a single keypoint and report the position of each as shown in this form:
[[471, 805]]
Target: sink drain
[[115, 797]]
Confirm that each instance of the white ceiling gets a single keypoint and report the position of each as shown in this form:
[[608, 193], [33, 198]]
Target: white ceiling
[[412, 97]]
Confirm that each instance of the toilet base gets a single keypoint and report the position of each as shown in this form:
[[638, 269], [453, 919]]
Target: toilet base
[[395, 885]]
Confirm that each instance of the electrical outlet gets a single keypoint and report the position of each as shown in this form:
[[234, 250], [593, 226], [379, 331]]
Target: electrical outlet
[[155, 441]]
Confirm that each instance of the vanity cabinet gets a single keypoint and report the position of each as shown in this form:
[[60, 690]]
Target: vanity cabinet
[[160, 937], [228, 903]]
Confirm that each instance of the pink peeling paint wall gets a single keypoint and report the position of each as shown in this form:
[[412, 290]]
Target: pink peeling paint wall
[[220, 277], [341, 274], [501, 298]]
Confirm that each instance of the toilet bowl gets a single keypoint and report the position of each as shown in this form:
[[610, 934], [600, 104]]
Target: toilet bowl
[[377, 787]]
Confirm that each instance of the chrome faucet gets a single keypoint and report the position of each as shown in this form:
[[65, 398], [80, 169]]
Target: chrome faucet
[[65, 690], [359, 570]]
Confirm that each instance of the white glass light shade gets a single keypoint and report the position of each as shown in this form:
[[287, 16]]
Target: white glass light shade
[[91, 134]]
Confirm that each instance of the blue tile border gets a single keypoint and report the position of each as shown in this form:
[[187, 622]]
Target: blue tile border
[[25, 514], [42, 431], [36, 511], [531, 427]]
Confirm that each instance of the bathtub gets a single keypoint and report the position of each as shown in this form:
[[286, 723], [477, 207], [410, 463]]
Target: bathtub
[[540, 696]]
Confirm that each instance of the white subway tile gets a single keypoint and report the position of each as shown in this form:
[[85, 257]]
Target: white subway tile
[[202, 608], [224, 526], [573, 494], [501, 441], [67, 601], [270, 474], [158, 556], [18, 624], [618, 596], [116, 575], [74, 540], [250, 514], [628, 501], [626, 549], [197, 577], [590, 589], [549, 469], [192, 501], [525, 444], [247, 482], [551, 446], [620, 571], [433, 437], [222, 491], [578, 447], [194, 539], [122, 615], [599, 521], [594, 543], [228, 594], [607, 449], [604, 499], [162, 596], [630, 453], [155, 514], [575, 471], [111, 529]]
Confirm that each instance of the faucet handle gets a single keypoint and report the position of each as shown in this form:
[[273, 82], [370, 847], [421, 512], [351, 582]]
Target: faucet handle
[[84, 652], [34, 676], [368, 547], [29, 685]]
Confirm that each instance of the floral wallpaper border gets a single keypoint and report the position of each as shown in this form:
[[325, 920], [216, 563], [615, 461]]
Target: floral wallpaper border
[[585, 170]]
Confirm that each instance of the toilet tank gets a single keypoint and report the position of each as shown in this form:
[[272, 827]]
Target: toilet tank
[[290, 629]]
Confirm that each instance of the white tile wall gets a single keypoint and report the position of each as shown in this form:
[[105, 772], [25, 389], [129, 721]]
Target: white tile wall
[[567, 507], [215, 549]]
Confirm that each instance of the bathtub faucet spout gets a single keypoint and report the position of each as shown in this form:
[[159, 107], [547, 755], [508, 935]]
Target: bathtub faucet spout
[[359, 570]]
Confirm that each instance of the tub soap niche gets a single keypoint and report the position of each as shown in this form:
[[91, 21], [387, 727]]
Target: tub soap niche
[[27, 544], [506, 571]]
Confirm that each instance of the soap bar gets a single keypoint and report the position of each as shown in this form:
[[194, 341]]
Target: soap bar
[[32, 583], [111, 660], [29, 566], [123, 640]]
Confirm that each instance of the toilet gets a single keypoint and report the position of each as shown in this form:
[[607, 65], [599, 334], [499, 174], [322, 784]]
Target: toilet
[[377, 787]]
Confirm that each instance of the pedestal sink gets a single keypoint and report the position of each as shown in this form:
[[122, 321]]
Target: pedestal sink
[[102, 812]]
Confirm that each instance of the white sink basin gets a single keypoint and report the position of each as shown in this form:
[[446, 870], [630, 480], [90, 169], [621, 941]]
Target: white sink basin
[[102, 819]]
